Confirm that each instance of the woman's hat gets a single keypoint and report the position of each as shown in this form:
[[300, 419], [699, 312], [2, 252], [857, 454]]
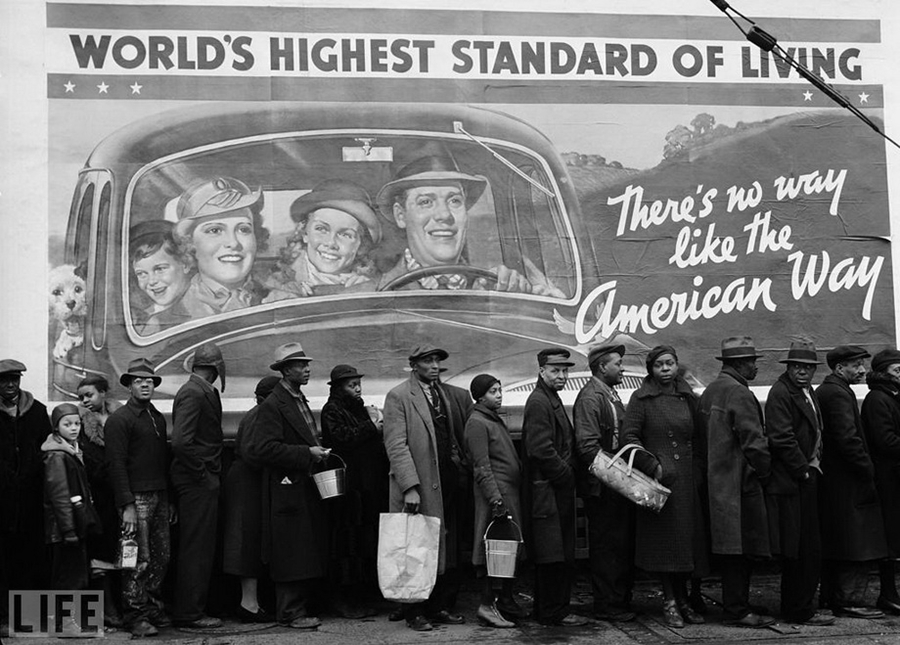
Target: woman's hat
[[481, 384], [207, 355], [884, 359], [433, 170], [656, 352], [216, 197], [738, 347], [341, 195], [343, 372], [802, 351], [288, 352], [266, 385], [140, 367], [62, 410]]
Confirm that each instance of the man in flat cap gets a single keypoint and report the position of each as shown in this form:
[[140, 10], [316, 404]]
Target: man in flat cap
[[598, 415], [137, 455], [852, 528], [429, 198], [284, 441], [421, 445], [196, 469], [548, 443], [794, 427], [738, 467], [24, 425]]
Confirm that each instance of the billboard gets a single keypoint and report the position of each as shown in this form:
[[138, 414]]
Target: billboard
[[363, 179]]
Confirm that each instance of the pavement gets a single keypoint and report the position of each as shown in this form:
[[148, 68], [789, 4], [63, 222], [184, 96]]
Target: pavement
[[647, 629]]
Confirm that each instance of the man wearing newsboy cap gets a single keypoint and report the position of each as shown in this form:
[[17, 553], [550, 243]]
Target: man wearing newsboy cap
[[284, 442], [739, 466], [548, 499], [24, 425], [852, 530], [419, 422], [794, 427], [138, 460]]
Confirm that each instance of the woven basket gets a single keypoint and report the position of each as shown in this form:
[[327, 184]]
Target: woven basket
[[634, 485]]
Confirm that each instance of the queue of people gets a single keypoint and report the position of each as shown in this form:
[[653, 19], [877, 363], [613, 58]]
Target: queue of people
[[811, 481]]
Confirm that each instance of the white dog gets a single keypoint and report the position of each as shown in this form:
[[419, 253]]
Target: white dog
[[68, 308]]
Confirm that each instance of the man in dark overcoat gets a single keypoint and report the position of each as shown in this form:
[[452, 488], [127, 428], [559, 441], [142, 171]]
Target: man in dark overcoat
[[24, 425], [849, 510], [794, 427], [285, 443], [549, 462], [738, 467], [196, 470], [598, 415], [420, 440]]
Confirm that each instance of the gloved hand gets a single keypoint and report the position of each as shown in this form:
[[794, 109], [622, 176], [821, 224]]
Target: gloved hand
[[498, 509]]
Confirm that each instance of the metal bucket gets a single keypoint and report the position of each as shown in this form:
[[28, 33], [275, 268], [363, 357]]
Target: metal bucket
[[331, 483], [501, 556]]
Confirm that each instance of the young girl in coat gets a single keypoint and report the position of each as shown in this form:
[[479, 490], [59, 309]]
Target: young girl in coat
[[69, 515]]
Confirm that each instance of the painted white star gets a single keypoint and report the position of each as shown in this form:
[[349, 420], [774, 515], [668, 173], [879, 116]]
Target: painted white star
[[807, 95], [70, 87], [103, 87], [136, 89], [863, 98]]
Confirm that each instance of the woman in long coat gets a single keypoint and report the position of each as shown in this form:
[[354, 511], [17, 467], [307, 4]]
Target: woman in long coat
[[663, 418], [349, 429], [498, 477], [881, 423]]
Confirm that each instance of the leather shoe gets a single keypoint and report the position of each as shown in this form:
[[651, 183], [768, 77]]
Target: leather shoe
[[261, 616], [204, 622], [160, 619], [857, 612], [488, 615], [888, 606], [573, 620], [816, 620], [690, 616], [754, 621], [671, 616], [444, 617], [419, 624], [142, 629], [613, 615], [396, 615], [509, 608], [305, 622]]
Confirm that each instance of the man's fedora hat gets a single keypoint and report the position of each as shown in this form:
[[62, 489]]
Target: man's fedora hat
[[432, 170], [342, 373], [287, 353], [802, 351], [554, 356], [214, 197], [738, 347], [11, 366], [843, 353], [207, 355], [421, 351], [140, 368], [341, 195]]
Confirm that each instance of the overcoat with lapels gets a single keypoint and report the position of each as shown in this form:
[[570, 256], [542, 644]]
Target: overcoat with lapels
[[411, 447], [295, 523]]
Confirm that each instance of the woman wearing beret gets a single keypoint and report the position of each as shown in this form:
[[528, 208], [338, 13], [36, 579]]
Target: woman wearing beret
[[663, 418], [881, 423], [498, 478], [336, 228], [353, 430]]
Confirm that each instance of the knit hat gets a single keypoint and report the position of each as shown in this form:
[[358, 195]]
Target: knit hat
[[60, 411], [481, 384], [656, 352]]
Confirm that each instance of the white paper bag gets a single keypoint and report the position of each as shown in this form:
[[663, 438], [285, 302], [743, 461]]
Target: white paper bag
[[408, 549]]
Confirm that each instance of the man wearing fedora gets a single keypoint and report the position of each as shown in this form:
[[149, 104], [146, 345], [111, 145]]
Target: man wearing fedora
[[548, 500], [738, 468], [196, 469], [794, 428], [423, 451], [138, 461], [849, 512], [429, 199], [24, 425], [598, 415], [284, 442]]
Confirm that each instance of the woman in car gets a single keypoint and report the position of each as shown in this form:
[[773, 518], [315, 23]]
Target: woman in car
[[663, 418], [161, 275], [336, 228], [220, 231]]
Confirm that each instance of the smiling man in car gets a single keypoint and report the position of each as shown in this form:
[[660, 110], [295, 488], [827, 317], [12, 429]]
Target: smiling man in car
[[430, 199]]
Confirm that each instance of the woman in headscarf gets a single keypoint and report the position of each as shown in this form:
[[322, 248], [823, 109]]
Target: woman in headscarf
[[663, 418]]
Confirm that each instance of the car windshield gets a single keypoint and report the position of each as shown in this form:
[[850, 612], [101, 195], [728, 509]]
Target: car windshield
[[266, 221]]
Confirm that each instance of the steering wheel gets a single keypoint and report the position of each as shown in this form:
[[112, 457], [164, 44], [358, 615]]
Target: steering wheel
[[440, 269]]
